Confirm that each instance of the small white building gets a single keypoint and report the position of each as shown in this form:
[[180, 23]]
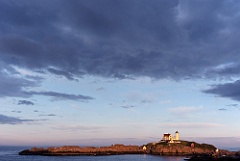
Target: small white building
[[167, 137]]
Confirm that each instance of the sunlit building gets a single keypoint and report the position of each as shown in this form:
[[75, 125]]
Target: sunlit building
[[167, 137]]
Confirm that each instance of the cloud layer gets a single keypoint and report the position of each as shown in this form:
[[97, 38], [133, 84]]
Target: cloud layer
[[123, 39]]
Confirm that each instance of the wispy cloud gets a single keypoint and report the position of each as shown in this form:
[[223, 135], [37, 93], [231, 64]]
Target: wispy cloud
[[230, 107], [13, 85], [14, 111], [48, 115], [61, 96], [140, 97], [16, 86], [184, 110], [13, 120], [229, 90], [64, 73], [127, 106], [233, 105], [222, 109], [25, 102], [100, 89]]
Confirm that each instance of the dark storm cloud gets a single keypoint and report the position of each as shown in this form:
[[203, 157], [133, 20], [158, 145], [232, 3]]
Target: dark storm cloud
[[177, 39], [25, 102], [230, 90], [12, 120]]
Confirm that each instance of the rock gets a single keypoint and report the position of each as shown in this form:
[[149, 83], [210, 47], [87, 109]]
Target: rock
[[76, 150], [182, 148], [160, 148]]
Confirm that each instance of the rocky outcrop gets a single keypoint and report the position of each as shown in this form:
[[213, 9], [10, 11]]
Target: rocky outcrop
[[160, 148], [76, 150], [182, 148]]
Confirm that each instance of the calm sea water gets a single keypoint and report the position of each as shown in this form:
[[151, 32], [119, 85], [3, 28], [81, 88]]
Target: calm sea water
[[11, 154]]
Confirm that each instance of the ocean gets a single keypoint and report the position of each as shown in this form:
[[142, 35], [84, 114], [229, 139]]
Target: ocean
[[10, 153]]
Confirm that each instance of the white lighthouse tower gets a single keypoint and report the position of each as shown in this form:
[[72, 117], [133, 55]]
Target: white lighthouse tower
[[176, 135]]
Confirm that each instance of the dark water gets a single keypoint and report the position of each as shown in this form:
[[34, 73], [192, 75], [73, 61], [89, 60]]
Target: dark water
[[11, 154]]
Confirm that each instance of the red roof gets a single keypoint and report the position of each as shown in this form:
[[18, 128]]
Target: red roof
[[166, 134]]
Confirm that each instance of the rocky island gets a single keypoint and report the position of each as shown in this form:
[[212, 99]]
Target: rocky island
[[182, 148]]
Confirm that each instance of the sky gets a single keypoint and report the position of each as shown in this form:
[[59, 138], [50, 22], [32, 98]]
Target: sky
[[99, 72]]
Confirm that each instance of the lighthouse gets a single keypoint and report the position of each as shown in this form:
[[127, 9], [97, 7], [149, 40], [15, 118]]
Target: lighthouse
[[176, 135]]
